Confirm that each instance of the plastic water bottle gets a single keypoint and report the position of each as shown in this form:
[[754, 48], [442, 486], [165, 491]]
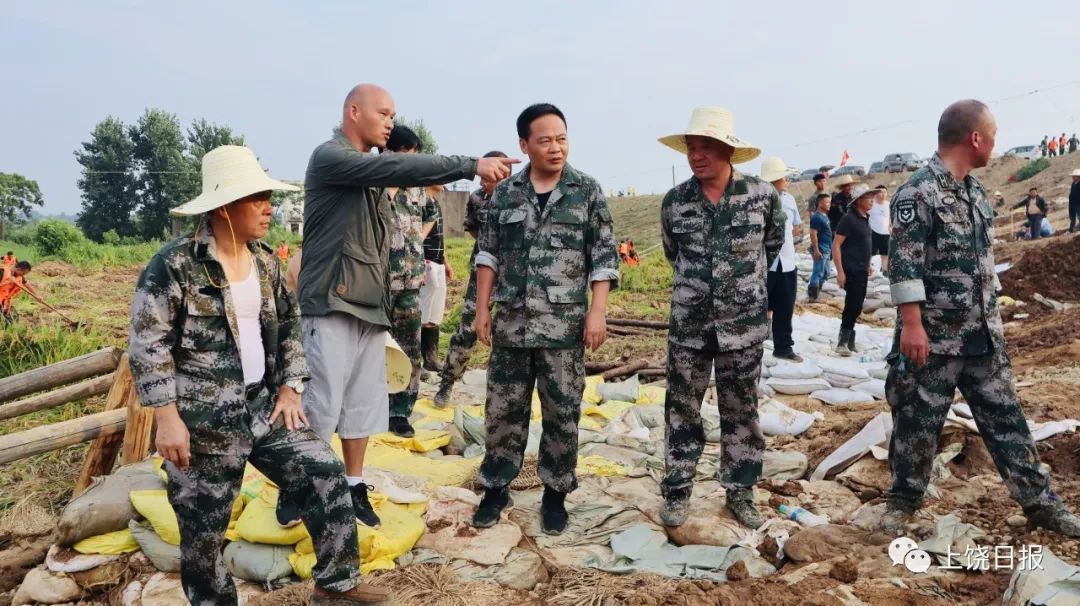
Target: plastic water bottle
[[802, 516]]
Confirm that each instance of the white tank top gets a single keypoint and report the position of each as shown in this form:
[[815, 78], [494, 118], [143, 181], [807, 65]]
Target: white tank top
[[247, 300]]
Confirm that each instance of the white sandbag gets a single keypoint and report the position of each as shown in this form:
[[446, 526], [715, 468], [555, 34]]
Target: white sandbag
[[164, 589], [62, 559], [788, 370], [776, 418], [256, 562], [885, 313], [873, 304], [878, 371], [132, 595], [783, 465], [797, 386], [764, 391], [845, 368], [874, 387], [164, 556], [106, 506], [43, 587], [476, 377], [623, 391], [765, 374], [841, 381], [838, 397]]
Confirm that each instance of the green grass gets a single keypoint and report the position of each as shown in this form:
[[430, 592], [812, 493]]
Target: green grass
[[1031, 169], [637, 218]]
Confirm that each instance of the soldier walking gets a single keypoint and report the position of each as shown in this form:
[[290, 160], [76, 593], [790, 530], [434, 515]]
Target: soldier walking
[[463, 339], [215, 350], [949, 334], [548, 240], [721, 232]]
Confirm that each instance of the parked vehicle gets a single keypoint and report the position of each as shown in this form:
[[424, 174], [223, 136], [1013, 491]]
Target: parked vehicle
[[1027, 152], [877, 168], [805, 175], [851, 169], [898, 163]]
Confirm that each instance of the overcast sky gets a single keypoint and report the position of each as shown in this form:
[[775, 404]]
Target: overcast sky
[[805, 80]]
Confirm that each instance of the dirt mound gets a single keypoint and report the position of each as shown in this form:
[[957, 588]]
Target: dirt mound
[[1042, 330], [1050, 269]]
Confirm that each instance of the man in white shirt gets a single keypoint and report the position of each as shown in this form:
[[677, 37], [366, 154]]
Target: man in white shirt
[[783, 276], [879, 227]]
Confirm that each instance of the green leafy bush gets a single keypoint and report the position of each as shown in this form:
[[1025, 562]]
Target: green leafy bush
[[54, 235], [1031, 169]]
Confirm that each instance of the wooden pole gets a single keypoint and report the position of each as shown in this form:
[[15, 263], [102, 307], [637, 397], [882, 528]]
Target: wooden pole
[[595, 367], [46, 438], [61, 373], [623, 371], [139, 432], [50, 399], [102, 454]]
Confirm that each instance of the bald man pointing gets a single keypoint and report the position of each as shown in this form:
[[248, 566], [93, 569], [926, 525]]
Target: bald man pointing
[[343, 277]]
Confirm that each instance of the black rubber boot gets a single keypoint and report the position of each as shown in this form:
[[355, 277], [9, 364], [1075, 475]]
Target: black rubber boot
[[429, 348], [491, 506], [553, 514]]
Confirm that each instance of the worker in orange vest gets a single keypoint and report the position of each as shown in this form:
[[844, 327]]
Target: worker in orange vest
[[283, 252], [631, 254], [12, 282], [8, 260], [624, 255]]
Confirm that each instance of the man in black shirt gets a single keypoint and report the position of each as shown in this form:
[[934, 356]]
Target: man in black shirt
[[841, 200], [851, 254], [437, 273], [1074, 200]]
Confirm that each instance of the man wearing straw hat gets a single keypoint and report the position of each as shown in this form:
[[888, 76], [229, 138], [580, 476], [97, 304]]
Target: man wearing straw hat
[[721, 231], [344, 297], [841, 200], [215, 349], [948, 330]]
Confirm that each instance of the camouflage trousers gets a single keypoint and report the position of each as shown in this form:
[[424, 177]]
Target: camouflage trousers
[[405, 328], [559, 375], [920, 399], [301, 464], [741, 442], [464, 338]]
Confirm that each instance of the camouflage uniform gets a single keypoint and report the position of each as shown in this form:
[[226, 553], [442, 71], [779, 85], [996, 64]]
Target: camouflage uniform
[[406, 274], [463, 339], [720, 255], [545, 263], [941, 256], [183, 350]]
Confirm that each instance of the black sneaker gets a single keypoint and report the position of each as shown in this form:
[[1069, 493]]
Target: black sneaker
[[362, 506], [400, 426], [553, 511], [790, 356], [491, 506], [288, 512]]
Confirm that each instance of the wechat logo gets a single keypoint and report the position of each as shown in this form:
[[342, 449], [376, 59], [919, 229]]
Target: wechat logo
[[905, 551]]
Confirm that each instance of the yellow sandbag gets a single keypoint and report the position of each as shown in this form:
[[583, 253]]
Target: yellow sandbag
[[154, 506], [425, 407], [439, 472], [425, 440], [159, 462], [651, 394], [591, 423], [474, 411], [258, 522], [601, 466], [608, 410], [401, 528], [110, 543], [1006, 301], [591, 395]]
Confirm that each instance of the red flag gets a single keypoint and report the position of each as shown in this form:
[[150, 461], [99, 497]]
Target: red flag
[[844, 158]]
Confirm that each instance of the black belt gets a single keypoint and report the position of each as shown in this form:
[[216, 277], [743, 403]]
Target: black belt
[[254, 389]]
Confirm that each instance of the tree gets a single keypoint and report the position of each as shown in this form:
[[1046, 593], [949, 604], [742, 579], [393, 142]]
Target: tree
[[427, 140], [18, 196], [204, 136], [164, 175], [108, 185]]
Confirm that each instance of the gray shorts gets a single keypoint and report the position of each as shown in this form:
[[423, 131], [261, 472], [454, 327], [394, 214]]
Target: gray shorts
[[347, 392]]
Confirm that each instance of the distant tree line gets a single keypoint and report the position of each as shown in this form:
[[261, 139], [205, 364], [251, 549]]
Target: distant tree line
[[133, 174]]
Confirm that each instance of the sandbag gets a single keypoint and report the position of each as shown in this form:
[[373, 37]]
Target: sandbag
[[154, 506], [454, 537], [797, 387], [874, 387], [623, 391], [67, 560], [104, 506], [776, 418], [820, 543], [764, 391], [164, 589], [591, 395], [651, 394], [164, 556], [425, 440], [258, 522], [781, 465], [841, 381], [788, 370], [402, 526], [110, 543], [44, 587], [828, 498], [258, 563], [843, 367], [838, 397]]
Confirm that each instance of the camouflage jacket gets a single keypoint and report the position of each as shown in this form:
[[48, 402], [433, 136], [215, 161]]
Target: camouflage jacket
[[545, 262], [183, 336], [721, 255], [476, 211], [407, 239], [941, 256]]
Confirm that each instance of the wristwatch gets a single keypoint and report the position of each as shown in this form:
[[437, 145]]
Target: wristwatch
[[297, 385]]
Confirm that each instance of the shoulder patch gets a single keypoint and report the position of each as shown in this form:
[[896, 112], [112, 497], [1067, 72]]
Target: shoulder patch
[[905, 211]]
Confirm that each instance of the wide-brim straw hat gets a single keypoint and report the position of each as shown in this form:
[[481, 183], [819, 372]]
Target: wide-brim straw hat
[[1075, 173], [398, 366], [229, 173], [714, 123], [843, 180], [861, 190], [773, 169]]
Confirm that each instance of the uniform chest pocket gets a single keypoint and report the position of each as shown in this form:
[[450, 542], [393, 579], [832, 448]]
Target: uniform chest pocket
[[986, 219], [568, 228], [954, 230], [746, 233], [512, 228], [206, 327]]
